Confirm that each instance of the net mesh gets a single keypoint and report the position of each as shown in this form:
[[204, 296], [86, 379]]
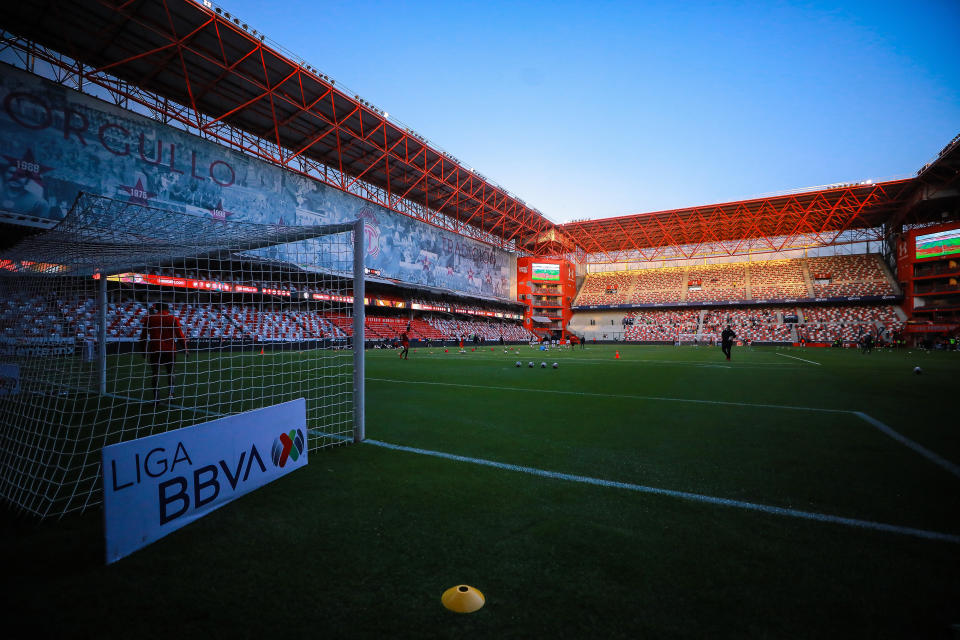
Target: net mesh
[[265, 312]]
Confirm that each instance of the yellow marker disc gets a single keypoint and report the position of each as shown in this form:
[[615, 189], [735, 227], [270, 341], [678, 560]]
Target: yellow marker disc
[[462, 599]]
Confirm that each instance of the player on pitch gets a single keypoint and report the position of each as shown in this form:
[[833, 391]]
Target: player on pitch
[[726, 341], [160, 339]]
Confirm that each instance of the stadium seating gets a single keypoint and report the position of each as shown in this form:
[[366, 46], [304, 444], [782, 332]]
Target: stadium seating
[[660, 326], [655, 286], [606, 288], [490, 330], [39, 317], [757, 325], [718, 282], [777, 279], [857, 275]]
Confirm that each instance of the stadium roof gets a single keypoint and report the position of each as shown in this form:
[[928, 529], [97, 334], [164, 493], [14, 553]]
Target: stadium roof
[[823, 215], [235, 88], [225, 74]]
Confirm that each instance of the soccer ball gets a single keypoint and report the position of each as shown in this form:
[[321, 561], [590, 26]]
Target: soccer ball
[[519, 363], [543, 365], [555, 365], [917, 370], [531, 365]]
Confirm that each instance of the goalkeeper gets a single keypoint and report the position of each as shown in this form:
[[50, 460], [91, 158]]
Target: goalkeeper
[[160, 339]]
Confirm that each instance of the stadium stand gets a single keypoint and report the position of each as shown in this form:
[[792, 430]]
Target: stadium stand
[[606, 288], [717, 282], [490, 331], [660, 326], [817, 324], [777, 279], [860, 275], [655, 286], [833, 276], [75, 320]]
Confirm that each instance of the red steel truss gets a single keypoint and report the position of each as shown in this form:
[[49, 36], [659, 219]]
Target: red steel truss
[[193, 65], [850, 213], [190, 65]]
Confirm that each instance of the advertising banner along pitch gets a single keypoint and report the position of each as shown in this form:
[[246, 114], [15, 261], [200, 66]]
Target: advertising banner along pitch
[[155, 485]]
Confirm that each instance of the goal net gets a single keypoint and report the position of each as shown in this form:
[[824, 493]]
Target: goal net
[[695, 339], [267, 314]]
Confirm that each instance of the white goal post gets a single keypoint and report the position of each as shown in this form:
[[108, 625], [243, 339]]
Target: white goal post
[[126, 320]]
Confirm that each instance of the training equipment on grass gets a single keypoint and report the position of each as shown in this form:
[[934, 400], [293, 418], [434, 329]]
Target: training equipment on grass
[[543, 365], [917, 370], [530, 365], [556, 365], [267, 314], [616, 355], [519, 363], [462, 599]]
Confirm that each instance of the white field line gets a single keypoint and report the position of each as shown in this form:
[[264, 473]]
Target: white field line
[[930, 455], [796, 358], [685, 495], [610, 395], [907, 442]]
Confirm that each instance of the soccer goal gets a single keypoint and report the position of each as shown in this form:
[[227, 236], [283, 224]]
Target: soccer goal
[[695, 339], [254, 314]]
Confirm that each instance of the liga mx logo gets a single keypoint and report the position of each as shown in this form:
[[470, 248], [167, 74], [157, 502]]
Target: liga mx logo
[[288, 445]]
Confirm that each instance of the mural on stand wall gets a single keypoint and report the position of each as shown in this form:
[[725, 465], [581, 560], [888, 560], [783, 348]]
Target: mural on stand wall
[[56, 142]]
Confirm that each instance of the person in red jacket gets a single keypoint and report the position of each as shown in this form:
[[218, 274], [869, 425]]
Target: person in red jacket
[[161, 338], [405, 343]]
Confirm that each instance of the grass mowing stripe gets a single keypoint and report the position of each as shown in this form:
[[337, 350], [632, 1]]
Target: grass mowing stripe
[[613, 395], [684, 495], [907, 442], [796, 358]]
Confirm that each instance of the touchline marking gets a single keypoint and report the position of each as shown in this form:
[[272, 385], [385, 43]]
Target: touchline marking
[[796, 358], [907, 442], [684, 495], [612, 395]]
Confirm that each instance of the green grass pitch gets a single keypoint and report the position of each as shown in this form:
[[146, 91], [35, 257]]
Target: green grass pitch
[[675, 508]]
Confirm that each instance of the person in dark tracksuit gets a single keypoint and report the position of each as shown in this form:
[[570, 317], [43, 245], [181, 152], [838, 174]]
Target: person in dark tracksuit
[[726, 341]]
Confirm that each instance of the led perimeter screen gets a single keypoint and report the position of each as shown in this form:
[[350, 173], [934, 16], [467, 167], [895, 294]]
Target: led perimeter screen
[[934, 245], [542, 271]]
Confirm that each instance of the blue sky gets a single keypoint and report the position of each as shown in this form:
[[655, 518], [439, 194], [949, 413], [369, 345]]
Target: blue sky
[[597, 109]]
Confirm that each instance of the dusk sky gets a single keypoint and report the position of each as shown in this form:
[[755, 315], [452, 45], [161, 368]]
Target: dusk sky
[[589, 110]]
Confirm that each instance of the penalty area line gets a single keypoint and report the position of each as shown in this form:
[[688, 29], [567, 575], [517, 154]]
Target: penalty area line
[[683, 495], [796, 358]]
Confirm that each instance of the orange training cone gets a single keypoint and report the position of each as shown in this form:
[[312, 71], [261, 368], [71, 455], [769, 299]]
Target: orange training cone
[[462, 599], [261, 351], [616, 356]]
